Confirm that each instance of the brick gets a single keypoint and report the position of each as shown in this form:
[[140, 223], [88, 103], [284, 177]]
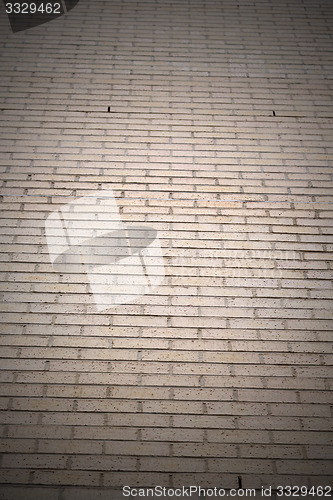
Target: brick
[[245, 466], [38, 431], [103, 462], [301, 437], [13, 476], [34, 461], [136, 449], [88, 493], [269, 422], [272, 451], [67, 477], [171, 464], [237, 436], [302, 466], [70, 446], [172, 435], [174, 407], [104, 433], [138, 420], [204, 421]]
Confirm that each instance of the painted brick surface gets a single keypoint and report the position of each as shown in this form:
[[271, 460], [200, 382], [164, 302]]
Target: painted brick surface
[[212, 122]]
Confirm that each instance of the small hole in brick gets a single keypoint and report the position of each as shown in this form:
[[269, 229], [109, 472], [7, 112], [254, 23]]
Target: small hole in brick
[[273, 113], [109, 109], [240, 482]]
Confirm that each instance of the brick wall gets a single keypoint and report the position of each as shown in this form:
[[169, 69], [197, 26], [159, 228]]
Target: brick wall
[[211, 122]]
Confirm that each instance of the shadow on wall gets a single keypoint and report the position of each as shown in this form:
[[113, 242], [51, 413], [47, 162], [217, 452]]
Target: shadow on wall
[[23, 15]]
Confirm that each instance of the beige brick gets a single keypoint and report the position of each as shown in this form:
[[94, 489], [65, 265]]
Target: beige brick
[[205, 450], [34, 461], [38, 431], [136, 449], [172, 464], [67, 477], [75, 447], [138, 420], [29, 493], [302, 466], [172, 435], [204, 421], [269, 422], [14, 476], [241, 466], [175, 407], [103, 462]]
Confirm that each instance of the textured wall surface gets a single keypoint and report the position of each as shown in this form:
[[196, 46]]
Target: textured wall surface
[[211, 122]]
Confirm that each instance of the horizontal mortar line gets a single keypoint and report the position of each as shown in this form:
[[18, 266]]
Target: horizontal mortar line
[[171, 338], [169, 112], [154, 362], [225, 457], [150, 412], [176, 74], [147, 339], [150, 441], [180, 386], [157, 361], [195, 61], [42, 382], [207, 286], [230, 426], [195, 265], [180, 349], [182, 456], [162, 338], [56, 112], [157, 374], [83, 385], [153, 374], [166, 399], [200, 363], [211, 277], [12, 195]]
